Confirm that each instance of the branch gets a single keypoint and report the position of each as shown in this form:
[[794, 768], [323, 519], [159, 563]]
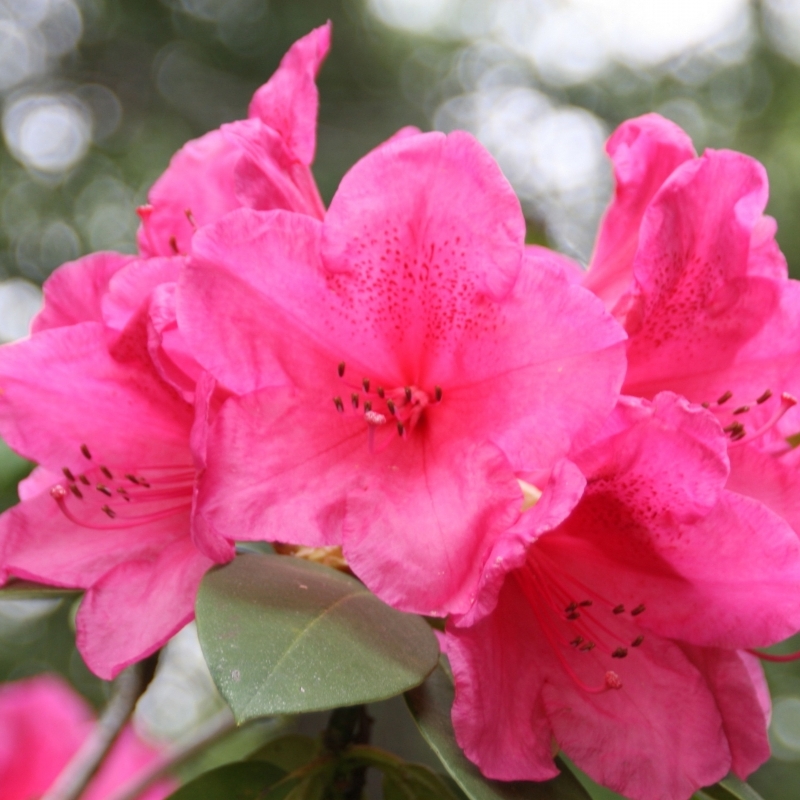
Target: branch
[[128, 687]]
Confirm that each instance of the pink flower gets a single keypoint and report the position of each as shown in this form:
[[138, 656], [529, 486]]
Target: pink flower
[[43, 722], [688, 263], [103, 407], [399, 365], [611, 618], [262, 162]]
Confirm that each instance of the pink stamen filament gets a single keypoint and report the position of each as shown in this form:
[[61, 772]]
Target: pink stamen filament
[[132, 522]]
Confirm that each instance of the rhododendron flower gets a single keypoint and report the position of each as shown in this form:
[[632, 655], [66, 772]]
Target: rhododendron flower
[[91, 398], [611, 618], [262, 162], [399, 365], [43, 723], [688, 263]]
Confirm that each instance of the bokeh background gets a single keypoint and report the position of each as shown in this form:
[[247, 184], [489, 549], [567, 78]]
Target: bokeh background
[[98, 94]]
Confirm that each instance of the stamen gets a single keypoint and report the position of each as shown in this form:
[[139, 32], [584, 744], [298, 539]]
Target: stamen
[[109, 511], [741, 410], [400, 429], [190, 217], [103, 490], [84, 480], [85, 451], [437, 393], [638, 610], [573, 615], [407, 392], [365, 384], [107, 472], [76, 491], [725, 397], [173, 243], [578, 640], [764, 397], [391, 406], [775, 659], [705, 405], [337, 401], [787, 402], [380, 392], [620, 609], [637, 641], [367, 407], [340, 369], [620, 652], [354, 400], [68, 474]]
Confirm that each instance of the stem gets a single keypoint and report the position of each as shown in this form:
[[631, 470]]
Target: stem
[[214, 728], [347, 726], [128, 687]]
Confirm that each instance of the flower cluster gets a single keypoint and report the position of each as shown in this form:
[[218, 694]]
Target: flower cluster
[[592, 475]]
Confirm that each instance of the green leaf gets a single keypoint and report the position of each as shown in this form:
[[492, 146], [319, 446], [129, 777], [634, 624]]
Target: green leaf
[[414, 782], [731, 788], [430, 706], [288, 752], [284, 636], [248, 780]]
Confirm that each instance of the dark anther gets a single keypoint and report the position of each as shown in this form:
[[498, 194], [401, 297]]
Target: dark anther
[[573, 615], [705, 405], [107, 472], [437, 393], [585, 603], [637, 641], [84, 480], [570, 608], [390, 406], [764, 397], [85, 451], [367, 407], [380, 392], [619, 609], [400, 429], [132, 479], [724, 398], [365, 384], [110, 511], [76, 491], [68, 474], [740, 434], [584, 648], [173, 243], [578, 640], [734, 428], [354, 400], [340, 369], [337, 401], [620, 652], [124, 494], [741, 410], [407, 392], [103, 489], [638, 610]]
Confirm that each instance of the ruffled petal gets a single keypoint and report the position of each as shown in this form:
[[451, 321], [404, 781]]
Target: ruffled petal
[[74, 292], [644, 151], [137, 606], [289, 100]]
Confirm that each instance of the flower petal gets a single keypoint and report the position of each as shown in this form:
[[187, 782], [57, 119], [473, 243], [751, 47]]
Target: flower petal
[[289, 100], [137, 606], [74, 292], [645, 151]]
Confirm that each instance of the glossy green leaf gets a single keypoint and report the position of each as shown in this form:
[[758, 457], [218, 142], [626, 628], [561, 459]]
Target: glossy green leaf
[[288, 752], [731, 788], [284, 636], [248, 780], [430, 706]]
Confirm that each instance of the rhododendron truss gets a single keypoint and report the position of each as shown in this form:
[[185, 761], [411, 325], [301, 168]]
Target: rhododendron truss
[[42, 724], [688, 263], [400, 365], [609, 618], [109, 509]]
